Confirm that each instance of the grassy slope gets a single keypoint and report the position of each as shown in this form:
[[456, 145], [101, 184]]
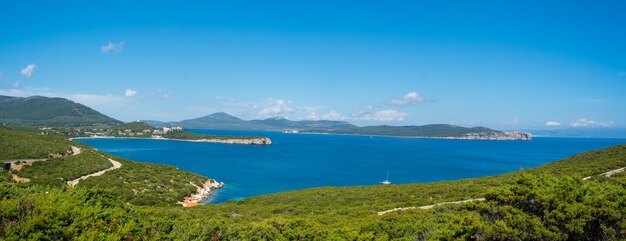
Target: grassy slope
[[19, 144], [58, 171], [154, 184], [143, 183]]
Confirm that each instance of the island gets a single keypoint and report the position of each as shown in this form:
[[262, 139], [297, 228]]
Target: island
[[139, 129]]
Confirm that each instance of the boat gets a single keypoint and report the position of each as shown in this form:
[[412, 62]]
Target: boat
[[386, 181], [291, 131]]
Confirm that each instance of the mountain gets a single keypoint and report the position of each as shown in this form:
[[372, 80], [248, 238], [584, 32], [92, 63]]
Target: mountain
[[46, 111], [220, 121], [156, 123], [224, 121], [280, 123], [436, 131]]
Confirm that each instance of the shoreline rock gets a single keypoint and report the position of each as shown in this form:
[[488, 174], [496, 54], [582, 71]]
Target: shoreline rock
[[202, 193], [256, 141], [503, 136]]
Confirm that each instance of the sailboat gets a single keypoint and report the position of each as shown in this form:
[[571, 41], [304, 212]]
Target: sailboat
[[386, 181]]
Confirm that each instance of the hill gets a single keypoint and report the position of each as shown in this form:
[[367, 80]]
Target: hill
[[133, 126], [278, 123], [136, 183], [224, 121], [45, 111], [435, 131], [20, 144], [551, 202]]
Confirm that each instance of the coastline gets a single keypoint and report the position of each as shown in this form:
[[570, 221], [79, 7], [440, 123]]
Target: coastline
[[202, 193], [419, 137], [255, 141]]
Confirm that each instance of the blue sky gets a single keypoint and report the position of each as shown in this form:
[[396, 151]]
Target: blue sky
[[501, 64]]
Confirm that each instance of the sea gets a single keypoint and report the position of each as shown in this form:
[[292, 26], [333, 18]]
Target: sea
[[298, 161]]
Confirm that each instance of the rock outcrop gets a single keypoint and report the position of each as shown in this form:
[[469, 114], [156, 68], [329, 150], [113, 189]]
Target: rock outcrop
[[202, 193], [255, 141], [499, 136]]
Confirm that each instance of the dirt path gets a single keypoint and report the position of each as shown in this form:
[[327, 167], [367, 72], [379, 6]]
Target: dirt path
[[430, 206], [116, 165], [607, 174], [75, 151]]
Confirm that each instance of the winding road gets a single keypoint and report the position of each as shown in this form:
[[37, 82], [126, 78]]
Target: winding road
[[116, 165]]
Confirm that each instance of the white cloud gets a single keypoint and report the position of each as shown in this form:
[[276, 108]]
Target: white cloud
[[130, 93], [270, 107], [334, 115], [111, 47], [364, 113], [583, 122], [411, 98], [28, 71], [552, 123], [312, 116], [166, 96], [278, 107], [390, 115]]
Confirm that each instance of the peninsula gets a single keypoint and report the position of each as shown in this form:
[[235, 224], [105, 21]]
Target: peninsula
[[138, 129], [437, 131]]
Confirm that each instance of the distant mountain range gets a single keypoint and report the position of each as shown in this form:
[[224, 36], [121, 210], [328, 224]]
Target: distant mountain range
[[45, 111], [223, 121], [60, 112]]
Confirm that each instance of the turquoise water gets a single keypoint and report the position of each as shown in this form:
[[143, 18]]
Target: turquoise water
[[297, 161]]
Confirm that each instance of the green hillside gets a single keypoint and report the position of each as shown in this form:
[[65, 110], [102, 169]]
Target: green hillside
[[551, 202], [434, 130], [224, 121], [45, 111], [20, 144], [133, 126], [136, 183]]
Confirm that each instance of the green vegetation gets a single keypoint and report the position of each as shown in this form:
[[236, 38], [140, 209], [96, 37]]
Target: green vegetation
[[44, 111], [435, 130], [141, 183], [57, 171], [185, 135], [223, 121], [133, 126], [550, 202], [136, 182], [20, 144]]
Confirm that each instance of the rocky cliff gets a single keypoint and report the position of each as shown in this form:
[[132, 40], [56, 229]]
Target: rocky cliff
[[255, 141], [499, 136], [202, 193]]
